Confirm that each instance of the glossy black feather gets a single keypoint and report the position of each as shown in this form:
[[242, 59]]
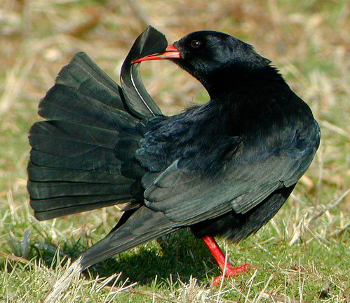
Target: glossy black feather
[[41, 173], [83, 75], [47, 209], [136, 96], [66, 103]]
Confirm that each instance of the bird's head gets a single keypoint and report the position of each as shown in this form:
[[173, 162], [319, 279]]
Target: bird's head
[[219, 61]]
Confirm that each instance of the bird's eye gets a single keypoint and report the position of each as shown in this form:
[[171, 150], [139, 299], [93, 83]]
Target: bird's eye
[[196, 43]]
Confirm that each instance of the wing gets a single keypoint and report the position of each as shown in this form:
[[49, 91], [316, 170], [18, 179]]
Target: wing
[[256, 169]]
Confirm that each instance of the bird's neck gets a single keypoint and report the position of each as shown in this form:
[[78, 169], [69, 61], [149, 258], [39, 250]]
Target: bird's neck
[[228, 80]]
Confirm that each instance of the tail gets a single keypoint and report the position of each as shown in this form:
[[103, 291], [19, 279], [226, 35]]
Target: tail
[[78, 153], [141, 226]]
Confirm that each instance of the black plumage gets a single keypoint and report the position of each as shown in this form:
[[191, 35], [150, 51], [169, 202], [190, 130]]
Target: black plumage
[[223, 168]]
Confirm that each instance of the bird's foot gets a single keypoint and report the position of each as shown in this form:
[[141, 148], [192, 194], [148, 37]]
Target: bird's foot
[[231, 272], [224, 264]]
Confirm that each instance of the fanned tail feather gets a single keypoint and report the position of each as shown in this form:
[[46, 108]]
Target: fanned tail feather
[[78, 152]]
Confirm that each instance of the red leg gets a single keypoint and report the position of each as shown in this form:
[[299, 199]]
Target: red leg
[[226, 267]]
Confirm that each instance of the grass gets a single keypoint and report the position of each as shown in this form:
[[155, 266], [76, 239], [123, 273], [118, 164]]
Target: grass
[[302, 255]]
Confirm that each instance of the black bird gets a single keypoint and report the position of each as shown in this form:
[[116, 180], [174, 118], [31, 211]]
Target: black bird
[[222, 169]]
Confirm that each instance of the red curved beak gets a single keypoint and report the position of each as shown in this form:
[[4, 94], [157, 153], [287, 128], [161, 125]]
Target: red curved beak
[[171, 52]]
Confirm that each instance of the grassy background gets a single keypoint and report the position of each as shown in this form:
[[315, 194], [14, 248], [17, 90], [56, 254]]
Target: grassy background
[[302, 255]]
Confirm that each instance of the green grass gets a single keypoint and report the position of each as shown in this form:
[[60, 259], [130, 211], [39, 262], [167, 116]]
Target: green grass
[[302, 255]]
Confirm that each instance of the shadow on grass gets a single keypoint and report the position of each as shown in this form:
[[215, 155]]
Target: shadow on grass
[[179, 254]]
